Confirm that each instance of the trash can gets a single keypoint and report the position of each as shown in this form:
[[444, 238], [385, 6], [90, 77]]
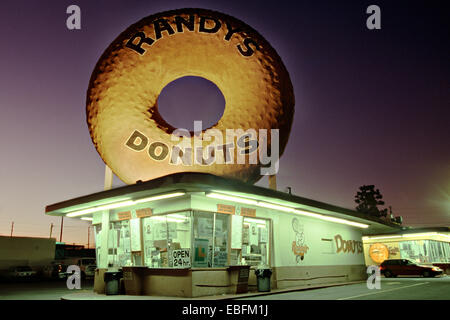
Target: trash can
[[263, 279], [112, 282]]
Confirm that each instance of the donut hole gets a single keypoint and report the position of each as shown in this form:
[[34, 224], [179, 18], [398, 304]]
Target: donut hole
[[190, 99]]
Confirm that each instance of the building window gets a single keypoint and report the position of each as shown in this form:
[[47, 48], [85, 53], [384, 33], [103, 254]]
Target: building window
[[164, 235], [255, 241], [187, 239], [220, 256], [425, 251], [98, 237], [210, 235], [119, 244]]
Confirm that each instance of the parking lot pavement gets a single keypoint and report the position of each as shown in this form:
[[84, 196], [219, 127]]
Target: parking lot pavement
[[40, 290], [400, 288]]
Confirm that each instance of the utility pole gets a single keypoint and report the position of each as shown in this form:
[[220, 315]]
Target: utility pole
[[51, 230], [12, 228], [62, 223]]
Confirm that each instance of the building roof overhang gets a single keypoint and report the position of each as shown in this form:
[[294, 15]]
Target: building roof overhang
[[192, 182]]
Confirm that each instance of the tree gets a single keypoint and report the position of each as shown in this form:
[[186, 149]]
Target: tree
[[368, 199]]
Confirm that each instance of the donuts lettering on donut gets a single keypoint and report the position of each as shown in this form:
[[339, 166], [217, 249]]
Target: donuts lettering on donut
[[160, 25], [246, 144], [122, 97]]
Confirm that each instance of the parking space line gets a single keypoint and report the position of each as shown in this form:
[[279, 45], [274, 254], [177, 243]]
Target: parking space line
[[382, 291]]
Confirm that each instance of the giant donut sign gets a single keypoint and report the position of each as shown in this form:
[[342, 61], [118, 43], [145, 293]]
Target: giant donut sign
[[122, 112]]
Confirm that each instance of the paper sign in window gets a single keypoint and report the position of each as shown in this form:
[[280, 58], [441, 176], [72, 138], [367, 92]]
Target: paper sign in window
[[125, 215], [142, 213], [224, 208], [248, 212]]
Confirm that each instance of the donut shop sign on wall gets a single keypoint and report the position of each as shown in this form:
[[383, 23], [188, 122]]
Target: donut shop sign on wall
[[138, 144]]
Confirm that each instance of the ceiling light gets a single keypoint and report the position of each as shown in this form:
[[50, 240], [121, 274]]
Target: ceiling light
[[123, 204], [279, 207], [101, 208], [231, 198], [160, 197]]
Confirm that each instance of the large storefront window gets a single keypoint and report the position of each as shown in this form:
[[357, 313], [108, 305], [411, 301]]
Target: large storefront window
[[221, 240], [165, 236], [255, 241], [211, 234], [98, 236], [425, 251], [149, 241], [119, 244], [187, 239]]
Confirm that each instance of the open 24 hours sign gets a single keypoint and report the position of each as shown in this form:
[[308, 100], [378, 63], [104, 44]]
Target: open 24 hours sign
[[181, 258]]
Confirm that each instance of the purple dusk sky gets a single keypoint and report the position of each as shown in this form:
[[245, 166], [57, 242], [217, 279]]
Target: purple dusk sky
[[372, 106]]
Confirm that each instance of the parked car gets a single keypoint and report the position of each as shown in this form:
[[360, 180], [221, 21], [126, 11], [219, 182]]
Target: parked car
[[89, 271], [21, 273], [405, 267], [87, 267], [55, 271]]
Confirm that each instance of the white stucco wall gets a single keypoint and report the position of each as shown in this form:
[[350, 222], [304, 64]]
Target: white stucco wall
[[319, 252]]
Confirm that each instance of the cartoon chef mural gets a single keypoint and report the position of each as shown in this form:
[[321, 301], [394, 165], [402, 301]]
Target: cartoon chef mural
[[299, 248]]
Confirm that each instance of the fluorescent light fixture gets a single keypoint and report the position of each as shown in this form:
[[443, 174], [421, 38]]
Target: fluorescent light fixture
[[160, 197], [100, 208], [428, 234], [309, 214], [344, 221], [411, 235], [275, 206], [231, 198], [414, 235], [123, 204], [333, 219], [258, 225], [384, 237], [179, 216], [279, 207], [260, 221], [87, 219], [168, 219]]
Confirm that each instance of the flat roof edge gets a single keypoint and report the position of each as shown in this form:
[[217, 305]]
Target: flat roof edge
[[195, 181]]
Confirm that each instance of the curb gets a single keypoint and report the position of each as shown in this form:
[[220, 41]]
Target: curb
[[96, 296]]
